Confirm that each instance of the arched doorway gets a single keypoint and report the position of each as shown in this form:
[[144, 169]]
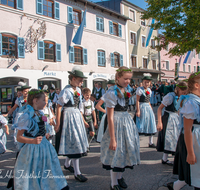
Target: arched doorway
[[50, 82]]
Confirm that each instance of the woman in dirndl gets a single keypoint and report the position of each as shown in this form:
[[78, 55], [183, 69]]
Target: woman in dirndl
[[120, 146], [71, 138], [144, 117], [37, 165], [168, 124], [187, 156]]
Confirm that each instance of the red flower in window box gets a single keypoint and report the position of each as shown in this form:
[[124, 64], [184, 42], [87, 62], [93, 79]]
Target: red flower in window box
[[147, 92], [76, 94]]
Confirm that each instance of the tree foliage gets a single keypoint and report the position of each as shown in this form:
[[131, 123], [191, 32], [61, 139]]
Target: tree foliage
[[180, 22]]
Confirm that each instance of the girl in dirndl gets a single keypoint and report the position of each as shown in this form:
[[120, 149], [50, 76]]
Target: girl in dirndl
[[3, 123], [71, 138], [145, 118], [187, 156], [37, 165], [120, 146], [168, 124]]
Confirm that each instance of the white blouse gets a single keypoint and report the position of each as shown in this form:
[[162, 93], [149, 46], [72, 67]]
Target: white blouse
[[168, 99], [111, 99], [3, 120], [67, 94], [190, 110], [140, 91]]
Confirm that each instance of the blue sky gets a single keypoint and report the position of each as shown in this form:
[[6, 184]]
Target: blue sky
[[139, 3]]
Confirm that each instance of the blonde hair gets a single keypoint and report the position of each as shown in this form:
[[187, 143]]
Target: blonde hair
[[120, 72]]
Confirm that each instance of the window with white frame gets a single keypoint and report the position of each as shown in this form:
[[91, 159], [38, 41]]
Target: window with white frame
[[133, 38], [195, 69], [75, 16], [16, 4], [142, 21], [11, 46], [189, 68], [100, 24], [154, 64], [49, 51], [145, 63], [49, 8], [101, 58], [184, 70], [152, 43], [133, 61], [143, 41], [115, 28], [167, 65], [132, 15]]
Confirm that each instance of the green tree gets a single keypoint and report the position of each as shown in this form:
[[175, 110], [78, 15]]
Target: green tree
[[180, 22]]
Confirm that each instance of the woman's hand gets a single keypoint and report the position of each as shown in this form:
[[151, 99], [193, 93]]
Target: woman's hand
[[5, 115], [92, 133], [37, 140], [113, 145], [159, 126], [138, 113], [47, 136], [86, 124], [191, 159]]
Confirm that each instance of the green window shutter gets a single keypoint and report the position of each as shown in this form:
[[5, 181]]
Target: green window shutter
[[110, 27], [20, 4], [84, 19], [120, 30], [58, 52], [85, 59], [121, 60], [39, 7], [71, 54], [40, 50], [112, 59], [57, 10], [21, 48], [70, 14]]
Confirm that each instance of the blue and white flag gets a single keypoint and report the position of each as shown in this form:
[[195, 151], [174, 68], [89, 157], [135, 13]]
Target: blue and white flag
[[189, 56], [149, 31], [79, 33]]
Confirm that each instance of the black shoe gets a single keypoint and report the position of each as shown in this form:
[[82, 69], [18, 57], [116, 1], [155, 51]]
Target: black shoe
[[81, 178], [116, 187], [10, 183], [122, 183], [170, 185], [167, 162], [70, 168], [152, 146]]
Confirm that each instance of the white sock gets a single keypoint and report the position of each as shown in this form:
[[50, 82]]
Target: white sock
[[151, 140], [50, 141], [113, 176], [178, 184], [165, 156], [119, 176], [75, 163], [67, 162]]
